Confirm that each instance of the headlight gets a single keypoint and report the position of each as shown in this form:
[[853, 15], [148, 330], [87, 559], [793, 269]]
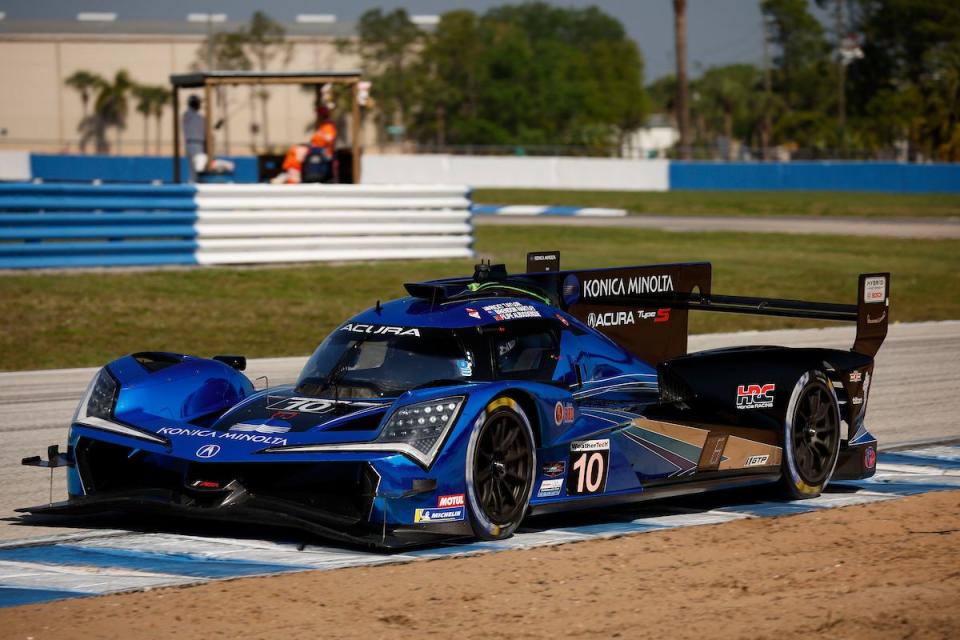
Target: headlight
[[422, 426], [96, 409], [100, 398], [415, 430]]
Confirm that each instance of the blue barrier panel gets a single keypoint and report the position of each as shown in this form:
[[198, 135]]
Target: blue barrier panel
[[100, 260], [82, 190], [74, 232], [42, 203], [44, 225], [90, 219], [83, 168], [39, 255], [888, 177]]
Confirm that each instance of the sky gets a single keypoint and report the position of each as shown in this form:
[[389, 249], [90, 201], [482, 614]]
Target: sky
[[718, 31]]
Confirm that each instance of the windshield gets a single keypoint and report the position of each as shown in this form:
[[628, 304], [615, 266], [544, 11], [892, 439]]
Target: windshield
[[362, 361]]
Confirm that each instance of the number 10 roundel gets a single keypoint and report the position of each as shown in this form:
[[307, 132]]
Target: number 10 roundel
[[589, 462]]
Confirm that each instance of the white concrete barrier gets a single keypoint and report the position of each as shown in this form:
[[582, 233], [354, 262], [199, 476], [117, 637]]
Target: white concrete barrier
[[15, 166], [518, 172], [245, 224]]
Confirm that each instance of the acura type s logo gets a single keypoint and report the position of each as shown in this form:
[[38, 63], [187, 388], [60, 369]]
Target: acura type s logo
[[208, 451]]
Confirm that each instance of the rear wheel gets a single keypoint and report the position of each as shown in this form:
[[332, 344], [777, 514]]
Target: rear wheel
[[501, 460], [811, 439]]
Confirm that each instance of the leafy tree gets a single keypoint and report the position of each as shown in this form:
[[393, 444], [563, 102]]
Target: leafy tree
[[802, 74], [528, 75], [727, 96], [901, 89], [264, 39], [387, 44]]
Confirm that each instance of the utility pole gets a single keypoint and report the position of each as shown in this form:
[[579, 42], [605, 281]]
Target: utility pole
[[683, 106], [768, 92], [841, 77]]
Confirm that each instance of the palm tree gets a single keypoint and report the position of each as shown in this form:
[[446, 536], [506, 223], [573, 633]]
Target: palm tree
[[683, 106], [145, 97], [84, 82], [111, 106], [161, 96]]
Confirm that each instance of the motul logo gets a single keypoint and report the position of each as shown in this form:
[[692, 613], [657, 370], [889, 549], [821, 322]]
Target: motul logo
[[755, 396], [455, 500]]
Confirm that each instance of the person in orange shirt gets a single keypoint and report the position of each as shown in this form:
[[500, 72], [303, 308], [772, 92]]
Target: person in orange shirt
[[323, 141], [325, 137]]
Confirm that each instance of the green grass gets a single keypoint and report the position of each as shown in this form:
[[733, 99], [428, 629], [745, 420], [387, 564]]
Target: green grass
[[88, 318], [738, 203]]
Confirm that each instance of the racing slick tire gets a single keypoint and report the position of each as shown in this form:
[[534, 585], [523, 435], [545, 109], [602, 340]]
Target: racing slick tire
[[501, 463], [811, 437]]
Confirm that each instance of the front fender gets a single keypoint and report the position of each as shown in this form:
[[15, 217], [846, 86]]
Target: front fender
[[175, 386]]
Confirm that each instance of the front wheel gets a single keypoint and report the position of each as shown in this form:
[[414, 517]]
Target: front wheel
[[811, 439], [501, 463]]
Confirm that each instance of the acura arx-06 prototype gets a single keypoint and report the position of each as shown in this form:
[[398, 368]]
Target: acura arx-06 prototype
[[472, 402]]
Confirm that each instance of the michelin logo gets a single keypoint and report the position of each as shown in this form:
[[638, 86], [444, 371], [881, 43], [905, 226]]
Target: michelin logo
[[438, 515]]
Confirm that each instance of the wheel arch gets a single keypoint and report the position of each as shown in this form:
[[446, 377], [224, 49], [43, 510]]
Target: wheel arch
[[531, 407]]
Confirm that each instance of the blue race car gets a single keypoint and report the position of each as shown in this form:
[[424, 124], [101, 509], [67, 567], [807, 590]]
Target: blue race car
[[469, 404]]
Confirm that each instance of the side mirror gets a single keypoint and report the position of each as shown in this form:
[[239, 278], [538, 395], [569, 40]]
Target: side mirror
[[237, 362]]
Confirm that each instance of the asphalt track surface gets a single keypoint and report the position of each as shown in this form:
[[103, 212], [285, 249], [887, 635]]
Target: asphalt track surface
[[911, 402], [110, 561], [927, 228]]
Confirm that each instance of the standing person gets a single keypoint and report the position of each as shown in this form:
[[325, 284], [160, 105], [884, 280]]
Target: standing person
[[325, 137], [194, 135]]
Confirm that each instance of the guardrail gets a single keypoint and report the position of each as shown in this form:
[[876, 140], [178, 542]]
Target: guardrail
[[43, 226]]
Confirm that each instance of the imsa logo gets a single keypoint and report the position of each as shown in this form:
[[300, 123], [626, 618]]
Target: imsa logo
[[755, 396]]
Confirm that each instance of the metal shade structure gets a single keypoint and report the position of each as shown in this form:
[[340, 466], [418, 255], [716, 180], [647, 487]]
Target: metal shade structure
[[207, 80]]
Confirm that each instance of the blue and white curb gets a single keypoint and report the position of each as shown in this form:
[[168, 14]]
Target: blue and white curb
[[100, 562], [545, 210]]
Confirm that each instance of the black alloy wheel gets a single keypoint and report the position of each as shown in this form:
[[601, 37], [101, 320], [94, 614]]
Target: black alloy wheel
[[812, 438], [503, 468], [815, 434]]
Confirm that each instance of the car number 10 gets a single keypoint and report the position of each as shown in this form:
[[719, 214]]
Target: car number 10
[[589, 471]]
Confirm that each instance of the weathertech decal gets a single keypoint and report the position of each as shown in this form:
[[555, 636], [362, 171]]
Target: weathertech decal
[[375, 329], [606, 287], [755, 396]]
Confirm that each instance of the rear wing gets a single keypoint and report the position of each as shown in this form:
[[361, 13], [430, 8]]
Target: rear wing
[[645, 309]]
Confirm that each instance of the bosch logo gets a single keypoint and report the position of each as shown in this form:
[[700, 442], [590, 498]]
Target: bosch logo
[[208, 451]]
